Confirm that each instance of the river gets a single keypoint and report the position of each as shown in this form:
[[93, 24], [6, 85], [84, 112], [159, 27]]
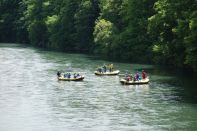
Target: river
[[32, 99]]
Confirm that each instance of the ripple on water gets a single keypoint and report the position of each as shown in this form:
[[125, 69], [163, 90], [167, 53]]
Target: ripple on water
[[31, 97]]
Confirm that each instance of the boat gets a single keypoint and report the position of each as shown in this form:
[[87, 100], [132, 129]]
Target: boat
[[71, 79], [140, 82], [116, 72]]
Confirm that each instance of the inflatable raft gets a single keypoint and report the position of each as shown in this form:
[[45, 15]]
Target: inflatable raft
[[140, 82], [107, 73], [71, 79]]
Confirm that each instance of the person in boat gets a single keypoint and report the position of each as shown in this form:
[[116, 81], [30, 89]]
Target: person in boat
[[144, 74], [137, 77], [78, 75], [69, 75], [111, 67], [104, 68], [108, 67], [75, 76], [65, 75], [129, 78], [134, 78], [126, 75], [58, 74], [99, 69]]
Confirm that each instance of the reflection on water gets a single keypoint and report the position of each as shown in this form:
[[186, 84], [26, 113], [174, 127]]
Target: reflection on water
[[31, 97]]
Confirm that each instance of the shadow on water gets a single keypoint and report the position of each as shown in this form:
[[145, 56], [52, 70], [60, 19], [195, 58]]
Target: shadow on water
[[184, 82], [13, 45]]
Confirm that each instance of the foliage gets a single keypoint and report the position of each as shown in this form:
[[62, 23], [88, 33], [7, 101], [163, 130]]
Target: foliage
[[12, 28], [190, 40], [103, 33], [84, 24], [147, 31], [171, 30]]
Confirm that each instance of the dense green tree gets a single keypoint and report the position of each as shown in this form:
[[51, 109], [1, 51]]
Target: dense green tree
[[37, 29], [84, 23], [108, 27], [134, 39], [11, 26], [64, 33], [21, 25], [171, 30], [103, 35], [191, 42], [111, 11], [129, 39], [160, 31]]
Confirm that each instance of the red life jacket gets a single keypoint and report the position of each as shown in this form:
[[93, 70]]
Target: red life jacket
[[143, 75]]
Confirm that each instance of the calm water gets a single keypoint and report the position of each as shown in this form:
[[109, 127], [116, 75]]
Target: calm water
[[31, 98]]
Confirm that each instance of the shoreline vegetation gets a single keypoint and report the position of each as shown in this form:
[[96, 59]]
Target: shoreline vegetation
[[161, 32], [170, 69]]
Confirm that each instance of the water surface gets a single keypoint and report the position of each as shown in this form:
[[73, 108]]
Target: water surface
[[32, 99]]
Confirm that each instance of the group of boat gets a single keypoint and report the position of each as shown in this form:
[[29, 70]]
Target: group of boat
[[126, 80]]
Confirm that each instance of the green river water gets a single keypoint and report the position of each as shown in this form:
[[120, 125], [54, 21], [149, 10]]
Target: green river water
[[32, 99]]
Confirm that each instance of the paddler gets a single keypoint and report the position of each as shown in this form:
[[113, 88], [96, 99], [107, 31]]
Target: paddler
[[143, 74]]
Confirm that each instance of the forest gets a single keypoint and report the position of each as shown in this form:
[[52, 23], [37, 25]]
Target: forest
[[140, 31]]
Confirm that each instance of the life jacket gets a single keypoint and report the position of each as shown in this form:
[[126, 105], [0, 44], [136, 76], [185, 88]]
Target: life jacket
[[143, 75]]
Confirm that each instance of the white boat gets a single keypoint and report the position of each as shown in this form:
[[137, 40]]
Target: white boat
[[116, 72], [132, 82]]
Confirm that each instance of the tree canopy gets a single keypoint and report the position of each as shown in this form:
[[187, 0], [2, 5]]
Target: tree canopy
[[143, 31]]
